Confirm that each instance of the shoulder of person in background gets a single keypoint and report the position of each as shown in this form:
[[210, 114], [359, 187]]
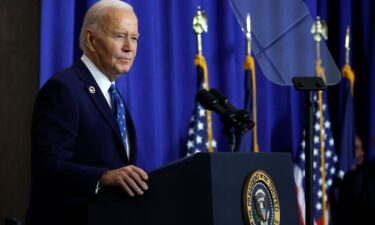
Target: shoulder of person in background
[[360, 184]]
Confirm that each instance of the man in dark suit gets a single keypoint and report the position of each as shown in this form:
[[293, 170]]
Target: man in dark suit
[[356, 200], [354, 196], [83, 138]]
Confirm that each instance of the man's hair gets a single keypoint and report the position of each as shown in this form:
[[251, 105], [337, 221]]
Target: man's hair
[[94, 15]]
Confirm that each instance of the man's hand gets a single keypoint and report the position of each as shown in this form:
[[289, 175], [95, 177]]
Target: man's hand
[[131, 178]]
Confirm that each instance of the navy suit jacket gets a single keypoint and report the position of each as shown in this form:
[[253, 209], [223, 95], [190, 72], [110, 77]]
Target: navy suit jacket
[[75, 139]]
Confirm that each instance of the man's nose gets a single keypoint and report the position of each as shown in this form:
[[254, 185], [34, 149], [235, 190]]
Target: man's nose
[[127, 45]]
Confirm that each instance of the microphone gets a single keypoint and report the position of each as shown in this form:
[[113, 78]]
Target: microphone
[[237, 122], [223, 100], [210, 102], [242, 116]]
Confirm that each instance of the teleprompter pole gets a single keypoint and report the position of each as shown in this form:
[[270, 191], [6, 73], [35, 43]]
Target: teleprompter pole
[[308, 85]]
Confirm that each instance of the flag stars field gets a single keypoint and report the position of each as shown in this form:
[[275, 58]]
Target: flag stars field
[[327, 124], [202, 112], [331, 142], [317, 114], [316, 127], [328, 154], [190, 144], [200, 126], [213, 143], [199, 139], [316, 152], [318, 206]]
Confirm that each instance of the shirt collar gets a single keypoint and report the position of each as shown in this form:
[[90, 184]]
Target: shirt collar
[[103, 82]]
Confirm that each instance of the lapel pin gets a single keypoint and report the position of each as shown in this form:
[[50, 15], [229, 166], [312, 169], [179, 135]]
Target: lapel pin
[[92, 89]]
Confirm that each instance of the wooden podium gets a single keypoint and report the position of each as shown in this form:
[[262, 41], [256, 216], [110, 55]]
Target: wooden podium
[[203, 189]]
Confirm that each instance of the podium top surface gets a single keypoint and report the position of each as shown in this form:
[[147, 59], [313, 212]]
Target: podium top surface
[[206, 155]]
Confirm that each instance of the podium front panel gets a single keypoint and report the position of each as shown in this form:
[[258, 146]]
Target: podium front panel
[[204, 189]]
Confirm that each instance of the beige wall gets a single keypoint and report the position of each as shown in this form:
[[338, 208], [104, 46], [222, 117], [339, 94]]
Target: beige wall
[[19, 77]]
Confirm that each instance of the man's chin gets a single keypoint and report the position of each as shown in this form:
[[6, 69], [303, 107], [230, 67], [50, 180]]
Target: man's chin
[[123, 70]]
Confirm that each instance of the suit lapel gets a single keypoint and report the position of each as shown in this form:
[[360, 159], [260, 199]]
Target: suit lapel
[[99, 100]]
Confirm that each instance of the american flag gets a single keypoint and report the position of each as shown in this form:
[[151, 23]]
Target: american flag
[[197, 136], [323, 143], [200, 137]]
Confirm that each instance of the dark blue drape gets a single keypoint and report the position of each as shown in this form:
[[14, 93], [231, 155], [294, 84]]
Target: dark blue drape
[[160, 89]]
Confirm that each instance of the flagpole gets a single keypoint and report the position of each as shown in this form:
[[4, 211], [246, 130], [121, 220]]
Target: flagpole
[[319, 31], [200, 26], [347, 70], [250, 65], [347, 46]]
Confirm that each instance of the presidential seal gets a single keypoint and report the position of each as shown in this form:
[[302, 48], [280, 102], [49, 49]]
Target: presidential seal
[[260, 202]]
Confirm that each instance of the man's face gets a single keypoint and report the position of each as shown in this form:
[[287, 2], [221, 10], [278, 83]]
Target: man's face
[[114, 47], [359, 152]]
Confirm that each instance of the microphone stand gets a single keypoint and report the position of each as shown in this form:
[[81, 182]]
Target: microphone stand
[[234, 133], [232, 138]]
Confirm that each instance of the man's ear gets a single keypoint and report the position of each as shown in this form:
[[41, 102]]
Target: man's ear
[[90, 39]]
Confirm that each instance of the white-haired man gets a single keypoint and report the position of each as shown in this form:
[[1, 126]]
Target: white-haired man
[[83, 138]]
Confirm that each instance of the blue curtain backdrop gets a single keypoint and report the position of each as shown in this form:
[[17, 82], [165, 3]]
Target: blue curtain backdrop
[[160, 89]]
